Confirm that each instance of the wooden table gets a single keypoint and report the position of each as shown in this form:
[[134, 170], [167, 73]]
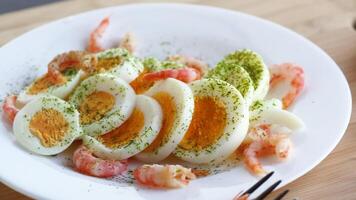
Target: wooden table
[[330, 24]]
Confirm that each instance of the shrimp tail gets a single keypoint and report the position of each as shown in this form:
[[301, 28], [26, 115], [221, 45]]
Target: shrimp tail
[[98, 32], [298, 84], [283, 148], [290, 75], [128, 42], [250, 158], [10, 108]]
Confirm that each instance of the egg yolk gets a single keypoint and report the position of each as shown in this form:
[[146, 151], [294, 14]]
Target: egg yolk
[[107, 64], [49, 126], [124, 133], [41, 85], [168, 106], [207, 125], [95, 106], [140, 85]]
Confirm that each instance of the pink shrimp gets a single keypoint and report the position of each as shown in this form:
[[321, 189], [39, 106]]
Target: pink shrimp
[[292, 76], [71, 59], [190, 62], [259, 132], [163, 176], [186, 75], [98, 32], [128, 42], [85, 162], [275, 144], [9, 107]]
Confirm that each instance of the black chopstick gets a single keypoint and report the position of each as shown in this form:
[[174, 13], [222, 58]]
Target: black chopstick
[[268, 191], [281, 195], [258, 184]]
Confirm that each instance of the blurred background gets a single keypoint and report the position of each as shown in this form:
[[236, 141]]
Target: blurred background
[[13, 5]]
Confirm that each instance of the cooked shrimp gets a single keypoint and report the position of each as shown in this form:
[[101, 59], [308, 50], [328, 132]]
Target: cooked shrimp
[[71, 59], [283, 147], [128, 42], [184, 74], [9, 107], [250, 156], [275, 144], [85, 162], [163, 176], [98, 32], [292, 77], [259, 132], [190, 62]]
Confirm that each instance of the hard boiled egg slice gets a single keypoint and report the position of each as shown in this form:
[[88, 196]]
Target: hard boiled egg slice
[[219, 124], [43, 85], [256, 68], [104, 102], [120, 63], [177, 103], [134, 135], [47, 125], [271, 112], [236, 76]]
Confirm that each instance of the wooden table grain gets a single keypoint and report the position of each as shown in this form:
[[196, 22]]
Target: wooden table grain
[[330, 24]]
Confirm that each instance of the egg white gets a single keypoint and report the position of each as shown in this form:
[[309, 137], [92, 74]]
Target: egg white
[[236, 75], [61, 91], [152, 124], [237, 116], [257, 69], [124, 101], [130, 66], [32, 143], [184, 101], [271, 112]]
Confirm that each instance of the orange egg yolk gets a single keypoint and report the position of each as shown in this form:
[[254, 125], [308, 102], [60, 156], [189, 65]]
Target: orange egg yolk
[[207, 125], [107, 64], [41, 85], [95, 106], [49, 126], [169, 111], [126, 132]]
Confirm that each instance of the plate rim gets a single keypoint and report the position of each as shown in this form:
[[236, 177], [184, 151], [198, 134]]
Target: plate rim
[[348, 105]]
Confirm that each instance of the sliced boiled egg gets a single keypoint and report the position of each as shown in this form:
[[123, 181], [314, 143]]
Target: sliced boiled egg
[[259, 105], [134, 135], [104, 102], [271, 112], [47, 125], [43, 85], [256, 68], [177, 103], [219, 124], [120, 63], [236, 76]]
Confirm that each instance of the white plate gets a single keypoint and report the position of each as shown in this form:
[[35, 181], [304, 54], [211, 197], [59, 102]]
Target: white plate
[[205, 32]]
